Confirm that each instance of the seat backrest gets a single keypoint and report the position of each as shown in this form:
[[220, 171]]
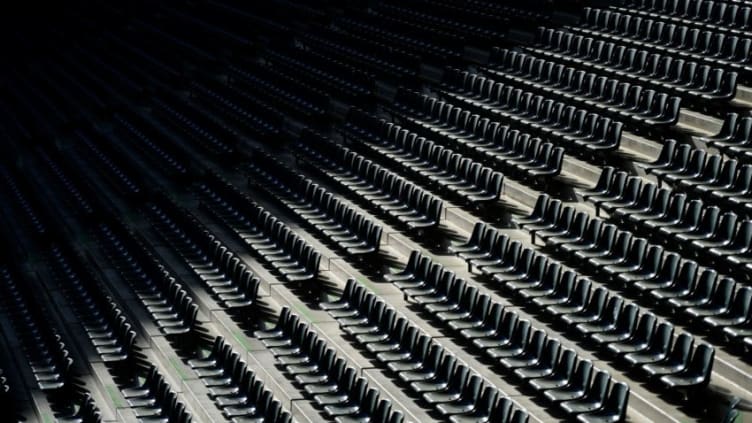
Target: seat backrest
[[459, 378], [702, 363], [682, 349], [536, 343], [613, 309], [565, 217], [581, 377], [500, 411], [471, 391], [628, 318], [598, 388], [743, 178], [723, 293], [481, 306], [667, 153], [521, 334], [597, 301], [617, 401], [508, 324]]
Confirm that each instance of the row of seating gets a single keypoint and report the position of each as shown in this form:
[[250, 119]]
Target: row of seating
[[600, 316], [171, 307], [471, 27], [71, 183], [649, 35], [645, 110], [112, 170], [264, 234], [340, 223], [152, 398], [518, 348], [104, 324], [170, 32], [5, 392], [257, 83], [734, 138], [204, 33], [696, 85], [576, 130], [716, 15], [137, 128], [514, 11], [668, 217], [330, 75], [652, 30], [325, 376], [213, 136], [381, 188], [371, 56], [235, 105], [707, 176], [581, 132], [33, 219], [664, 277], [262, 21], [438, 32], [267, 106], [157, 405], [43, 347], [395, 29], [520, 155], [87, 411], [349, 67], [307, 103], [452, 172], [234, 387], [450, 387], [392, 31], [221, 270], [102, 319], [678, 39]]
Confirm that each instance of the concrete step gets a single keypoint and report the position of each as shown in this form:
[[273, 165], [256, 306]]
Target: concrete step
[[697, 123], [639, 148], [578, 172], [743, 96]]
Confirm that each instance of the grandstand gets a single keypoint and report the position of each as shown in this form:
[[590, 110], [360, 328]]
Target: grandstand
[[376, 211]]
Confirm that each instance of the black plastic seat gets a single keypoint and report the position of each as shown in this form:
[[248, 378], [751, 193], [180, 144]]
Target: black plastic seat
[[658, 347], [696, 375], [614, 408], [467, 399], [452, 390], [738, 313], [529, 355], [484, 408], [544, 365], [701, 292], [510, 347], [576, 387], [675, 360], [719, 303], [594, 398]]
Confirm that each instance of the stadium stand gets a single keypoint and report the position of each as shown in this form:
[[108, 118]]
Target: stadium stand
[[376, 211]]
